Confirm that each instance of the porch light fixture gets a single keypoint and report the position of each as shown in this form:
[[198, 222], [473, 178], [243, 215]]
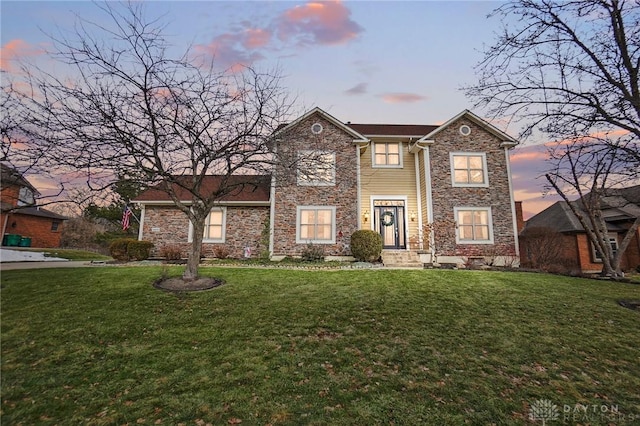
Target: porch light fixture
[[365, 215], [413, 216]]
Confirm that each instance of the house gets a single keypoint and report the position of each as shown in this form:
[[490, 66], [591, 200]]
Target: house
[[399, 180], [22, 221], [571, 246]]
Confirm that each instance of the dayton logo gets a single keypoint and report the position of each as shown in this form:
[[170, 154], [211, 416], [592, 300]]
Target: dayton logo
[[543, 410]]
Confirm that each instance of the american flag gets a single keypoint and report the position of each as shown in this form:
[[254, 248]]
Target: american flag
[[126, 217]]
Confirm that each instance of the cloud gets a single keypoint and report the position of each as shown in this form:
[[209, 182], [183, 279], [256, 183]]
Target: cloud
[[325, 23], [230, 50], [358, 89], [14, 50], [402, 98]]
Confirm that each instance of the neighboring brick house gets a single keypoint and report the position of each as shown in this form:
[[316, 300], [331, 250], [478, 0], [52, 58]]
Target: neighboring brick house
[[560, 226], [394, 179], [19, 214]]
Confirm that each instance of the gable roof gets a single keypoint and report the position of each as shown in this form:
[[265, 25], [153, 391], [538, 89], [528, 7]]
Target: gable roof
[[401, 130], [10, 176], [247, 188], [38, 212], [506, 139], [618, 204], [356, 135]]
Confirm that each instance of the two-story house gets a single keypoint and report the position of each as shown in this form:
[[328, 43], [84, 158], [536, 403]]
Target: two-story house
[[434, 192], [21, 217]]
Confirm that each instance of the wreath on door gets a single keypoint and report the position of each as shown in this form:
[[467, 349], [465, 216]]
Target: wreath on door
[[387, 218]]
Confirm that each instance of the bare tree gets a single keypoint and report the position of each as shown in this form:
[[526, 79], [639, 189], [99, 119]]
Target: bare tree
[[125, 106], [593, 170], [569, 69]]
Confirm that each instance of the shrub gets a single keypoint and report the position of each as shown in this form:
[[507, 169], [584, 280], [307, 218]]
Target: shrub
[[312, 253], [221, 252], [139, 250], [118, 248], [171, 252], [366, 245]]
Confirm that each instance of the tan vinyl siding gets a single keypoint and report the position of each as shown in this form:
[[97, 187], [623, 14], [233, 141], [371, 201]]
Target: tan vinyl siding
[[390, 181], [423, 187]]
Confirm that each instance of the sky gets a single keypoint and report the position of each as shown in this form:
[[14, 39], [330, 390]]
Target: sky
[[400, 62]]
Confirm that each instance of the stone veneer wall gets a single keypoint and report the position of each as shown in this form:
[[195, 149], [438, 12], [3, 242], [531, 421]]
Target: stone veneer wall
[[343, 195], [244, 227], [496, 195]]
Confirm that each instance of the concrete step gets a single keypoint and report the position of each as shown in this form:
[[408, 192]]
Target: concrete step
[[401, 259]]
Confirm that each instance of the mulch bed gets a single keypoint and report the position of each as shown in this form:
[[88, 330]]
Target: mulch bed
[[177, 284], [630, 304]]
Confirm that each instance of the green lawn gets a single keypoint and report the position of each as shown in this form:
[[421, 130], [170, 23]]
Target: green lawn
[[102, 346]]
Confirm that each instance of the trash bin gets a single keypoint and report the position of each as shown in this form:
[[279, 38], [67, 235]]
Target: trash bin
[[13, 239], [25, 242]]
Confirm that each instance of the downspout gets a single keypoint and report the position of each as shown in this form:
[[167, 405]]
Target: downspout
[[141, 222], [430, 218], [272, 214], [358, 189], [418, 198], [514, 219]]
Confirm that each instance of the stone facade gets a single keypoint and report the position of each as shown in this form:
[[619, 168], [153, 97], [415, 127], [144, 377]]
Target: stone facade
[[168, 226], [496, 195], [343, 195]]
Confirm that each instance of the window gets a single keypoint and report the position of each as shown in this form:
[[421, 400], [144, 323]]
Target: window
[[55, 225], [473, 225], [469, 169], [316, 168], [214, 226], [597, 256], [387, 154], [26, 197], [316, 224]]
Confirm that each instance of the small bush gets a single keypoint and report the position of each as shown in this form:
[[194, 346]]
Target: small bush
[[139, 250], [366, 245], [312, 253], [221, 252], [171, 252], [118, 249]]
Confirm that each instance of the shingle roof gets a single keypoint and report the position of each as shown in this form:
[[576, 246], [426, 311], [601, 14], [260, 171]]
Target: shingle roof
[[619, 204], [11, 176], [407, 130], [39, 212], [254, 188]]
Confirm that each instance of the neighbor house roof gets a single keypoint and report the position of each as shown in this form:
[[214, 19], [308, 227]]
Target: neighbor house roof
[[618, 204], [10, 176], [244, 188], [38, 212]]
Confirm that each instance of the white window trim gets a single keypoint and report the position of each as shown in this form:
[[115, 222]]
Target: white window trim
[[594, 252], [333, 225], [224, 228], [489, 218], [332, 182], [485, 173], [387, 166]]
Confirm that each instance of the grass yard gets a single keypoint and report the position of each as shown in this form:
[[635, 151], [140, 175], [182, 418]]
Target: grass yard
[[102, 346]]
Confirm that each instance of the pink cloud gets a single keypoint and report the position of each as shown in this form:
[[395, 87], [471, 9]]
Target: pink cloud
[[327, 23], [255, 38], [14, 50], [229, 51], [402, 98]]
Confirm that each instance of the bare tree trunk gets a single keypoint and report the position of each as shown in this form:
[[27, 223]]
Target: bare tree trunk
[[193, 261]]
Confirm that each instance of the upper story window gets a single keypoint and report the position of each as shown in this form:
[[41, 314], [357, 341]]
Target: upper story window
[[316, 168], [474, 225], [387, 154], [26, 197], [469, 169]]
